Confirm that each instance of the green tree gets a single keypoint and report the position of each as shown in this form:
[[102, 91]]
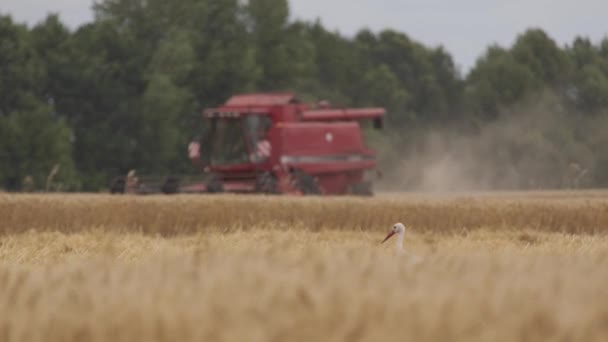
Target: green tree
[[427, 75], [499, 80], [33, 141], [101, 101], [226, 57], [336, 61], [49, 41], [168, 107], [380, 85], [20, 70], [589, 79], [592, 89], [268, 23], [538, 52]]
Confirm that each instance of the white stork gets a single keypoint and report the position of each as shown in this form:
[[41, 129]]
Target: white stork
[[399, 230]]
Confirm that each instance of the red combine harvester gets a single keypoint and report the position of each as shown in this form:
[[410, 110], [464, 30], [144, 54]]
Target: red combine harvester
[[271, 143]]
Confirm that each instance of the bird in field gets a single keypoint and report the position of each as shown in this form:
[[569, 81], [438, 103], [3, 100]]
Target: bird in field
[[399, 230]]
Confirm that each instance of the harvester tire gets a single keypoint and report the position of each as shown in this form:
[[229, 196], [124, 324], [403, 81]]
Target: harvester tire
[[117, 186], [266, 183], [362, 189], [306, 183], [215, 185], [171, 186]]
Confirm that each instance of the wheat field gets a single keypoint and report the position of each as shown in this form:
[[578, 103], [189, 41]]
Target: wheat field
[[494, 267]]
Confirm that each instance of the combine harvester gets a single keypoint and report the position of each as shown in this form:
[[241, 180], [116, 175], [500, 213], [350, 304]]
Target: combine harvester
[[271, 143]]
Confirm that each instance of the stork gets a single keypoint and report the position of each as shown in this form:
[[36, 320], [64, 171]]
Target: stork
[[399, 230]]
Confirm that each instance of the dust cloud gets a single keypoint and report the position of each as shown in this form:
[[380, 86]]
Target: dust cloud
[[536, 146]]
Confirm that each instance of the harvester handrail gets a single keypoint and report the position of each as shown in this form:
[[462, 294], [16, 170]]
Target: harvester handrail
[[342, 114]]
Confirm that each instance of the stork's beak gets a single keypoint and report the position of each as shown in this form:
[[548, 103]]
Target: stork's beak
[[388, 236]]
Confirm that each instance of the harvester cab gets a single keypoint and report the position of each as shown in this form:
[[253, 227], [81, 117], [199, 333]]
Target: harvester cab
[[233, 138]]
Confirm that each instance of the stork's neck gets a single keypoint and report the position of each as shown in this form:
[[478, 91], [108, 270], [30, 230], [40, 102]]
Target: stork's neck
[[399, 241]]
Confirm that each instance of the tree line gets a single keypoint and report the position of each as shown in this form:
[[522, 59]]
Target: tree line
[[124, 91]]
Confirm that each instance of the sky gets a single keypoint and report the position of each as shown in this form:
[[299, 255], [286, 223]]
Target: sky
[[464, 27]]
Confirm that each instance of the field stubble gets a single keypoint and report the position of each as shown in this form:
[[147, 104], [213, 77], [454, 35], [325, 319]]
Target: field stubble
[[233, 268]]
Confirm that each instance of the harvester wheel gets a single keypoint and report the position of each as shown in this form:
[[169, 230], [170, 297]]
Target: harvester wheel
[[306, 183], [171, 186], [266, 183], [362, 189], [117, 185], [215, 185]]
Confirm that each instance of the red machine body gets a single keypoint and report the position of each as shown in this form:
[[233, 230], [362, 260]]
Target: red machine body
[[272, 143]]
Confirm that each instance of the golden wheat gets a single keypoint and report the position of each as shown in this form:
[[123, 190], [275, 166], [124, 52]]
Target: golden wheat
[[171, 215], [497, 267]]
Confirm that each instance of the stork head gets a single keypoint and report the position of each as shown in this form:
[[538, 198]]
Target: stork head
[[398, 228]]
